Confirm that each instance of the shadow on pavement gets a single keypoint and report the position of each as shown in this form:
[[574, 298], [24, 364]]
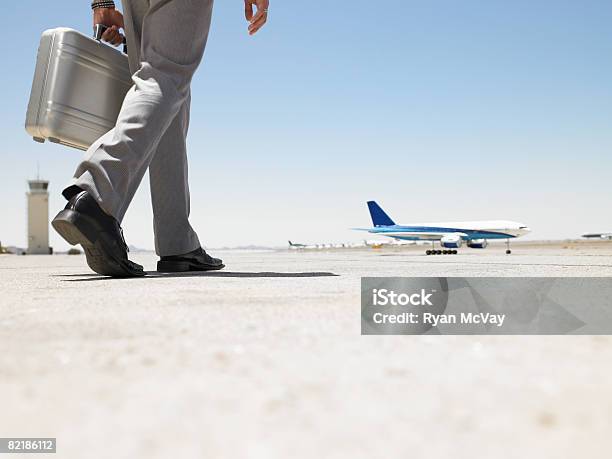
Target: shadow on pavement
[[156, 275]]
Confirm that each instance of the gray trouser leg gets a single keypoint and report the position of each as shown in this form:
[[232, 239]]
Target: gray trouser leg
[[166, 41], [170, 190]]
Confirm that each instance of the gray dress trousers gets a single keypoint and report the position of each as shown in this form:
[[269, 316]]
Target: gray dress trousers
[[166, 41]]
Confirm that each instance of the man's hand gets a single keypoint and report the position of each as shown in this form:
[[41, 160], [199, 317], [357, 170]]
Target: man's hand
[[256, 19], [112, 19]]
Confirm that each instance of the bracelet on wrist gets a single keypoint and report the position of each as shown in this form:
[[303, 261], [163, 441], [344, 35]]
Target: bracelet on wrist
[[96, 4]]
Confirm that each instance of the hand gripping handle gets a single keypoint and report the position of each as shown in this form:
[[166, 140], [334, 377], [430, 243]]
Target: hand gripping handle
[[99, 30]]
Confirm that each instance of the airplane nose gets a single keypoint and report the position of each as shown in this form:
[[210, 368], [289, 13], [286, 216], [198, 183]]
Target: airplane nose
[[525, 229]]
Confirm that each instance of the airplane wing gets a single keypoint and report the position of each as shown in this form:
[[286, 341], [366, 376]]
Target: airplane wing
[[415, 235], [422, 235]]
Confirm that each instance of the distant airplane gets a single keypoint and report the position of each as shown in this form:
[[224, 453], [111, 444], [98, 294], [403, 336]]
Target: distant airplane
[[606, 236], [297, 246], [450, 235]]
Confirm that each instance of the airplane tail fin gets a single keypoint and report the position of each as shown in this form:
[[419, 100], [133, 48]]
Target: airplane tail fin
[[379, 217]]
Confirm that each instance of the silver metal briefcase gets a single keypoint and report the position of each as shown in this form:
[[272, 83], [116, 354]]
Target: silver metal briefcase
[[79, 86]]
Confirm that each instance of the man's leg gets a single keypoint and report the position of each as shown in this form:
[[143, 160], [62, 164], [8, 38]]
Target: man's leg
[[170, 190], [176, 242], [83, 221], [174, 35]]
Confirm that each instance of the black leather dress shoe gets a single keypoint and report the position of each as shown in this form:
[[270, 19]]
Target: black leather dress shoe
[[198, 260], [84, 222]]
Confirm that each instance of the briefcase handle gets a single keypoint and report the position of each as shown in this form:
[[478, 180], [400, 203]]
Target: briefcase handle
[[99, 30]]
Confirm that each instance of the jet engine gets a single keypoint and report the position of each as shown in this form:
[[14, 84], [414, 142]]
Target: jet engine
[[451, 241], [477, 244]]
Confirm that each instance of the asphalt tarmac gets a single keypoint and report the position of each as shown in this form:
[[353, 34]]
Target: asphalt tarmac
[[265, 360]]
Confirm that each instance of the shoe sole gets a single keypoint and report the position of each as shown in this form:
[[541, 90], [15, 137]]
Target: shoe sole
[[77, 229], [185, 266]]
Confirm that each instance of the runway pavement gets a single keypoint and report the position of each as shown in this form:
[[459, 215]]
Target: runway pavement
[[265, 360]]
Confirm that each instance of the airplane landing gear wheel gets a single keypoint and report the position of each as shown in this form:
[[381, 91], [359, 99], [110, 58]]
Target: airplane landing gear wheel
[[508, 252], [428, 252]]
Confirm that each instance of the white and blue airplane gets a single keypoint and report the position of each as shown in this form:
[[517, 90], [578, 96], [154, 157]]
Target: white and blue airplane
[[451, 235]]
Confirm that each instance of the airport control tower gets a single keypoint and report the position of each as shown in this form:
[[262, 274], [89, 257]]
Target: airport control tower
[[38, 217]]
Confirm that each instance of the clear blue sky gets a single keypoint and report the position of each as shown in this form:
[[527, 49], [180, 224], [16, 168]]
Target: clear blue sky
[[441, 110]]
